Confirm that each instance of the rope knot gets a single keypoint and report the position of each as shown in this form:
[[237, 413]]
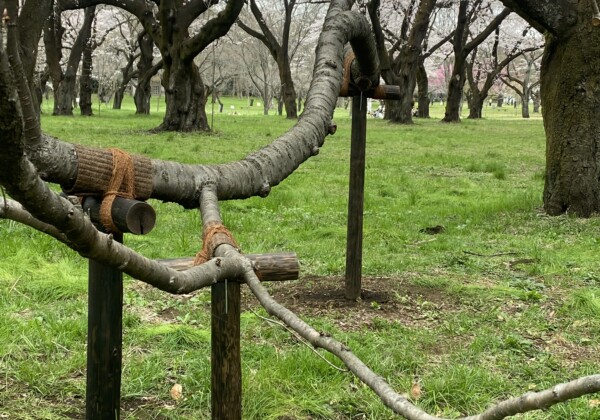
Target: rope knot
[[210, 241], [121, 184]]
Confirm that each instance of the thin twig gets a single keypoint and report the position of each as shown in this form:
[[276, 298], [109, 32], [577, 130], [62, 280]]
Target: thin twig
[[491, 255], [300, 339]]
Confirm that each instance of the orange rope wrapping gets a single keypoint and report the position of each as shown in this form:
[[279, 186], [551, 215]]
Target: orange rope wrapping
[[347, 71], [209, 242], [121, 184]]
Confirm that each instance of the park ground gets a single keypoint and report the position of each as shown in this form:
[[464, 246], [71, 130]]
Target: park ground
[[471, 293]]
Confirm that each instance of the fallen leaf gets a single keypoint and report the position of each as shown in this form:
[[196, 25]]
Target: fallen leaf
[[415, 391], [594, 403], [176, 392]]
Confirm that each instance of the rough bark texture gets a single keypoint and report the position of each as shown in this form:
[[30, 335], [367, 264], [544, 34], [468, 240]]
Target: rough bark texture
[[570, 96], [145, 71], [85, 81], [570, 91], [186, 98]]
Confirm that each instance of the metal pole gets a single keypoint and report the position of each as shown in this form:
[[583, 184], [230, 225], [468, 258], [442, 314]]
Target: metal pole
[[226, 364], [356, 197], [104, 344]]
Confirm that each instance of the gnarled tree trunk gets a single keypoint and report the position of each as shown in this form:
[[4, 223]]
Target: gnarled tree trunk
[[186, 98]]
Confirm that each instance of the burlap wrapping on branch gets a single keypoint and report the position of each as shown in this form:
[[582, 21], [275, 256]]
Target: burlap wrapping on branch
[[111, 173], [210, 242]]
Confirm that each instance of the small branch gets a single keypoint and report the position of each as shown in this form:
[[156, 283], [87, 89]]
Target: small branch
[[300, 339], [491, 255], [10, 209]]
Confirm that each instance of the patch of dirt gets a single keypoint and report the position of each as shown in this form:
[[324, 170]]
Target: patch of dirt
[[144, 407], [388, 298]]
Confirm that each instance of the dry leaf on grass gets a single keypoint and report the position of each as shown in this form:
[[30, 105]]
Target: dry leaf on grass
[[415, 391], [176, 392]]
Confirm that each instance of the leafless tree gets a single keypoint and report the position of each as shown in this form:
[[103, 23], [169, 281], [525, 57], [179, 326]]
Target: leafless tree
[[522, 76]]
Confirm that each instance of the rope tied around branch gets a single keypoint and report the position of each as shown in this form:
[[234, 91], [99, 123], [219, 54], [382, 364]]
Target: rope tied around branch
[[210, 241], [121, 184], [348, 59]]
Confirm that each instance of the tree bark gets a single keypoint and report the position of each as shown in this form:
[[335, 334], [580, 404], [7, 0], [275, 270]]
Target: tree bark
[[64, 83], [570, 90], [186, 98], [476, 102], [145, 72], [423, 91], [85, 82]]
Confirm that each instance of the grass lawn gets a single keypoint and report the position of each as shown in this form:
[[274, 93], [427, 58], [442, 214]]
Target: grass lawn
[[502, 301]]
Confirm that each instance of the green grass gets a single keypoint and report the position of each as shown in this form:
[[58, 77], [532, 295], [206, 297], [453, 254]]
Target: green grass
[[503, 301]]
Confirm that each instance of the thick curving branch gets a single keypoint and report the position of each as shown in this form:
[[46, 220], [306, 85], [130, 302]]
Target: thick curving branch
[[260, 171]]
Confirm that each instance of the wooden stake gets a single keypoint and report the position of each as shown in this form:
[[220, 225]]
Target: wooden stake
[[226, 364], [104, 343], [268, 267], [356, 198]]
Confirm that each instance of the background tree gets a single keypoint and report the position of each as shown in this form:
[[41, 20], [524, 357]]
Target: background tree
[[486, 63], [464, 42], [293, 31], [145, 72], [126, 46], [170, 25], [261, 70], [64, 82], [399, 64], [91, 43], [522, 76]]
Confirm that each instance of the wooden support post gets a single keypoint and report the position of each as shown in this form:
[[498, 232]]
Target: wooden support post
[[104, 343], [356, 197], [268, 267], [129, 216], [226, 364]]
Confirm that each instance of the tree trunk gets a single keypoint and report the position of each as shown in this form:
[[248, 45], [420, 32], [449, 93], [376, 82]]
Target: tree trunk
[[536, 101], [118, 99], [570, 76], [423, 91], [455, 93], [476, 102], [145, 71], [64, 94], [186, 98], [288, 93], [525, 103], [85, 82]]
